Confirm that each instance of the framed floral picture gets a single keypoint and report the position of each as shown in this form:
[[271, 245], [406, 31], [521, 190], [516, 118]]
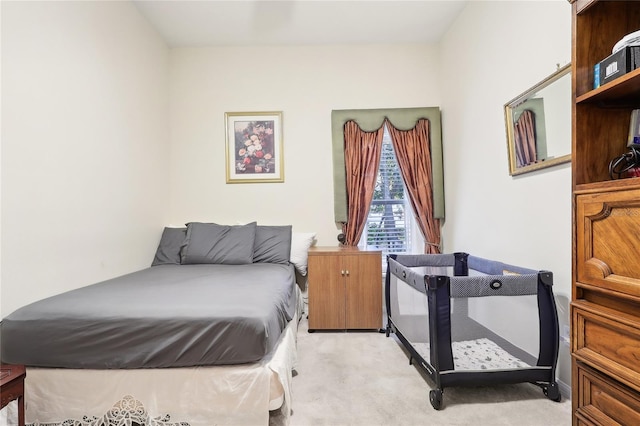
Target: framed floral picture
[[254, 147]]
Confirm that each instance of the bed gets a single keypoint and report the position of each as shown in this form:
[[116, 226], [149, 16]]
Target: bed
[[206, 335]]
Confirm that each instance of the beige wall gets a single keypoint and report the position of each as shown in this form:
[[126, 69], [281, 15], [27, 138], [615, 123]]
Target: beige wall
[[477, 68], [107, 135], [305, 83], [85, 146], [494, 52]]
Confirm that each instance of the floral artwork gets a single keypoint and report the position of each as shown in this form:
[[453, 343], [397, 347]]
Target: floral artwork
[[254, 147]]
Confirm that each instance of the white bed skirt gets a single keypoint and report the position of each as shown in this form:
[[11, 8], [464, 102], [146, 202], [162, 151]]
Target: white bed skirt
[[199, 396]]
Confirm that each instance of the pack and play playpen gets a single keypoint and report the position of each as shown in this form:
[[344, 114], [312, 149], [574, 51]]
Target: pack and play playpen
[[470, 321]]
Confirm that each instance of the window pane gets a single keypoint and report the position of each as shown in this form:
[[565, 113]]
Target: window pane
[[388, 225]]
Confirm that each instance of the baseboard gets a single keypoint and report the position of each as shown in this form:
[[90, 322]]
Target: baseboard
[[565, 390]]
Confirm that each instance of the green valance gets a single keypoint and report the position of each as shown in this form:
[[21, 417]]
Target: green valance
[[372, 119]]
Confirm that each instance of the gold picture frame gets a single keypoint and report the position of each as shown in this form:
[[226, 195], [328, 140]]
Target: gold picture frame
[[253, 147]]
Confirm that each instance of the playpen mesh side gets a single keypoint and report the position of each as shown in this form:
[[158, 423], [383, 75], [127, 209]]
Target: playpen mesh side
[[407, 302], [494, 322]]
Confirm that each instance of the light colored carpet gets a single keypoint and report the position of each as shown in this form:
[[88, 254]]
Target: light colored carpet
[[364, 378]]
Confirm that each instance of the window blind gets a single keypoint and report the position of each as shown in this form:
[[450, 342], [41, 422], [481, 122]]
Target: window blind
[[388, 226]]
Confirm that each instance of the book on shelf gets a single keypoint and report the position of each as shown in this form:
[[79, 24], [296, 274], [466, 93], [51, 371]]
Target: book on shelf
[[634, 128]]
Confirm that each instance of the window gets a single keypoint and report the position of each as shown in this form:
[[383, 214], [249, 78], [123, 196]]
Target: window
[[390, 225]]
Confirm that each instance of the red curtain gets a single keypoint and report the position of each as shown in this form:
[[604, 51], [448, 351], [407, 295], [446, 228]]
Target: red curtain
[[361, 158], [525, 139], [413, 152]]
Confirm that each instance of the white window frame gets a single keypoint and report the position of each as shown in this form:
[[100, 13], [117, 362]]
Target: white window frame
[[415, 240]]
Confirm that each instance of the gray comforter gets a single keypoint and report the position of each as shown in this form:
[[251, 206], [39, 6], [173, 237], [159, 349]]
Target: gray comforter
[[164, 316]]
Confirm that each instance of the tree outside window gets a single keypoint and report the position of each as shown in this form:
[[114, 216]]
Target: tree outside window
[[388, 225]]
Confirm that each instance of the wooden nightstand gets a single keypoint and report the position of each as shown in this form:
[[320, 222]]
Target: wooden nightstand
[[345, 288], [12, 387]]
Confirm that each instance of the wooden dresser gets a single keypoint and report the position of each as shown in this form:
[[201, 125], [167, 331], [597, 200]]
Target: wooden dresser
[[345, 288], [605, 308]]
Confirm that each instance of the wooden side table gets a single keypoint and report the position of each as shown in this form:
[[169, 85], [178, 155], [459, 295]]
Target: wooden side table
[[345, 289], [12, 387]]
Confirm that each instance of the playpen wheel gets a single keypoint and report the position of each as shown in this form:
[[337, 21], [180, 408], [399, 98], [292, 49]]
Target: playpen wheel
[[552, 392], [388, 331], [435, 397]]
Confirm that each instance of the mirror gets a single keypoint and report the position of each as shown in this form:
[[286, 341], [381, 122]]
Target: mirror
[[539, 124]]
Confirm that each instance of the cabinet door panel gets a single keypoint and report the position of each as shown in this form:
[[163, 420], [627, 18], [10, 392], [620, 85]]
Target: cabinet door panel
[[608, 241], [608, 340], [326, 293], [604, 401], [364, 291]]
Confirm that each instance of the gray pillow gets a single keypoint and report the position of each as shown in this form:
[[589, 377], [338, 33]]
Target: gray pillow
[[213, 243], [272, 245], [168, 252]]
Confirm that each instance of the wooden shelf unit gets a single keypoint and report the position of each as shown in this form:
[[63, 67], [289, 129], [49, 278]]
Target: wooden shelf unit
[[605, 307]]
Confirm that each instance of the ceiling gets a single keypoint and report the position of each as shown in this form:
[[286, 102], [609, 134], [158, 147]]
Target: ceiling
[[261, 22]]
